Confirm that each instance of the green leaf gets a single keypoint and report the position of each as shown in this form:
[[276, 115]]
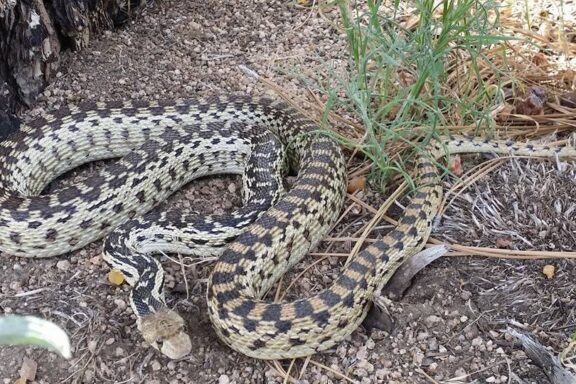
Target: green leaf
[[29, 330]]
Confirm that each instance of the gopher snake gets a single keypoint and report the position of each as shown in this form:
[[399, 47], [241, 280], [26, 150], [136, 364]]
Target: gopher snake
[[164, 135]]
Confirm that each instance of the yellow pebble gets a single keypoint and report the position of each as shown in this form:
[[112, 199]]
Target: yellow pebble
[[115, 277], [549, 271]]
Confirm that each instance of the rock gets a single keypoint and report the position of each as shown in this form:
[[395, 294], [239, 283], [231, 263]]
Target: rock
[[156, 366], [63, 265]]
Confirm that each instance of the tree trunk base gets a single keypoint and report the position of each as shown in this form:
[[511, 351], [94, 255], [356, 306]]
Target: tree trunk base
[[33, 34]]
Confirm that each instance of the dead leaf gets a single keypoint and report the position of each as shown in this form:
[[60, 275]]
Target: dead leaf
[[356, 184], [502, 242], [568, 99], [540, 59], [549, 271], [393, 111], [306, 3], [27, 370], [456, 165], [533, 104], [406, 78]]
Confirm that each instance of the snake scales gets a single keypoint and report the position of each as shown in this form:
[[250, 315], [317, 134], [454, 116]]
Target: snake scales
[[164, 145]]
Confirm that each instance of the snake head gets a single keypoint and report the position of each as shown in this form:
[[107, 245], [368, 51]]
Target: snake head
[[164, 331]]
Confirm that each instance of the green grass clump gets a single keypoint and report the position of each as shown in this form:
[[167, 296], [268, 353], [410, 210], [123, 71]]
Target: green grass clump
[[407, 84]]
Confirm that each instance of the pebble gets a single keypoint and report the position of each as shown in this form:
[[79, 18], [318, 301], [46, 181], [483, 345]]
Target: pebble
[[120, 304], [92, 345], [63, 265], [223, 379], [156, 366], [432, 320], [96, 260], [185, 75]]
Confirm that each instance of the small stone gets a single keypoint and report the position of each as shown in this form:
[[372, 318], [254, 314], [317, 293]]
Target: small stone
[[15, 286], [156, 366], [92, 345], [461, 373], [63, 265], [362, 353], [370, 344], [120, 304], [224, 379], [88, 376], [109, 341], [422, 336], [477, 342], [96, 260], [431, 320]]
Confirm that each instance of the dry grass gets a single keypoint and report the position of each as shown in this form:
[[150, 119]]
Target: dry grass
[[486, 217]]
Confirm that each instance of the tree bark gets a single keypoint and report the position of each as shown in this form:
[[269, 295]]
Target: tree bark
[[33, 34]]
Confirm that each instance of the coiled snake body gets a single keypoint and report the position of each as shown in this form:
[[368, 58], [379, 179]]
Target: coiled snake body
[[164, 145]]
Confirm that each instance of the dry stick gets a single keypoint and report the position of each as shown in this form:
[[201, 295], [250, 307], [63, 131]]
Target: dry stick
[[376, 219], [278, 296], [308, 16], [288, 371], [421, 371], [357, 127], [317, 261], [361, 171], [275, 365], [300, 275], [469, 178], [543, 358], [506, 253], [368, 207], [329, 254], [462, 250], [337, 373], [304, 366]]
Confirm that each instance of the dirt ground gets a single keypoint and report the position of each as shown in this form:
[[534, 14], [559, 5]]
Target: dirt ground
[[449, 327]]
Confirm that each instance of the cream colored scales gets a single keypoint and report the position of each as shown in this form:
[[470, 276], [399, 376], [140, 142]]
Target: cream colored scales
[[165, 145]]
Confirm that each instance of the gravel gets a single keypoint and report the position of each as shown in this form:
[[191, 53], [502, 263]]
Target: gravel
[[448, 326]]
